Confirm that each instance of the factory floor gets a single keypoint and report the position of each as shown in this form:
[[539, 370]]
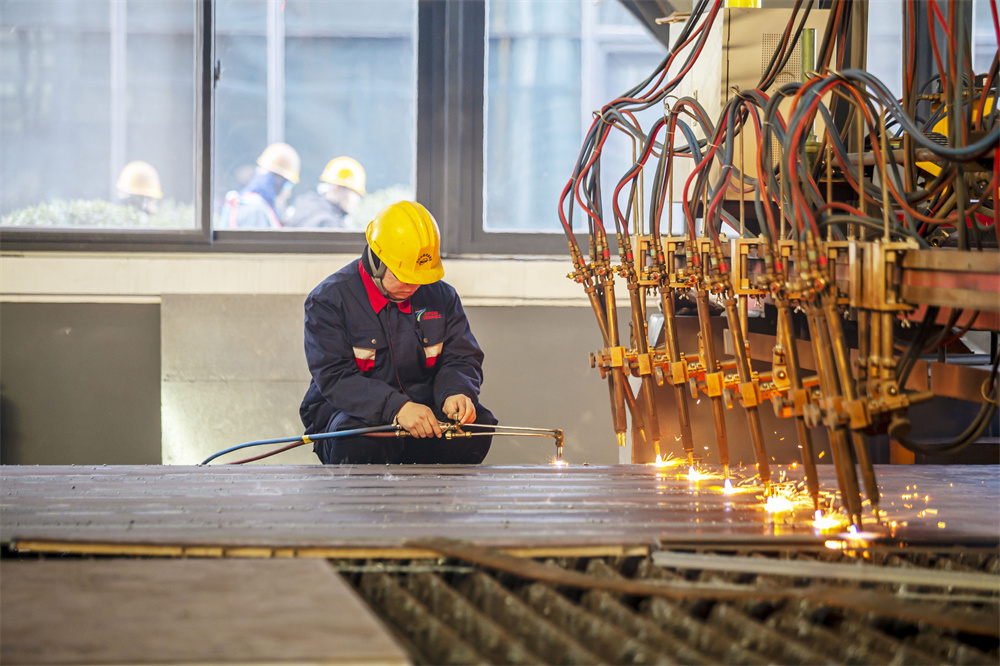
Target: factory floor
[[533, 564]]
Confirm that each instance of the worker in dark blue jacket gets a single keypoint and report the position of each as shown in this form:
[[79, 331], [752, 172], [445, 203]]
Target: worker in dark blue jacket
[[388, 342]]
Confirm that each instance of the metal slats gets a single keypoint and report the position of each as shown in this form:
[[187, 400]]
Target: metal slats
[[537, 632], [429, 638], [472, 624], [558, 625]]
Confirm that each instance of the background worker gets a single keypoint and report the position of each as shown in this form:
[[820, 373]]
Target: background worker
[[341, 186], [139, 187], [386, 342], [259, 205]]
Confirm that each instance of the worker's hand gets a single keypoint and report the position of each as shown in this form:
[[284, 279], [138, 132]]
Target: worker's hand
[[418, 420], [459, 408]]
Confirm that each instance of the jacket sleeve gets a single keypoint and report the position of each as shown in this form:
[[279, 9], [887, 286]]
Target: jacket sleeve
[[331, 362], [461, 361]]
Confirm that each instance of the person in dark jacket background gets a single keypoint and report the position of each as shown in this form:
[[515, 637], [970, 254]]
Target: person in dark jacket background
[[340, 188], [261, 203], [387, 341]]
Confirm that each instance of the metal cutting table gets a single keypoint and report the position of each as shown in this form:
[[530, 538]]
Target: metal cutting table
[[527, 564], [539, 508]]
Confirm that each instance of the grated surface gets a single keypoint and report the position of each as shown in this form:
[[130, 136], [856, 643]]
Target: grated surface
[[448, 613]]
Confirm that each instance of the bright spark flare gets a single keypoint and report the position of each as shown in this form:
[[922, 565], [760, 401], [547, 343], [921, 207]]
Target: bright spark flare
[[824, 523], [695, 475], [665, 462], [729, 489], [778, 504]]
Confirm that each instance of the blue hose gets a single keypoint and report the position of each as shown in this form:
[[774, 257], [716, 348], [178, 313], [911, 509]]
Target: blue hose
[[302, 438]]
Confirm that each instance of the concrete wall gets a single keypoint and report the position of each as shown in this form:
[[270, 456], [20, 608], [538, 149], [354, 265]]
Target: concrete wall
[[225, 342], [234, 371], [79, 383]]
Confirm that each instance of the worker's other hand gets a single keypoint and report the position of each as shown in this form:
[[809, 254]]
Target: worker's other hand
[[459, 408], [418, 420]]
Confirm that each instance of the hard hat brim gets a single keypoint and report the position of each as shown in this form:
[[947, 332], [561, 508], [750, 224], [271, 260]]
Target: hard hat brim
[[284, 173], [427, 275]]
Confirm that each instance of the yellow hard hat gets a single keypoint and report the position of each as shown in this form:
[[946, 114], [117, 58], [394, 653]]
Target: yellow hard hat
[[140, 178], [282, 159], [345, 171], [405, 236], [941, 128]]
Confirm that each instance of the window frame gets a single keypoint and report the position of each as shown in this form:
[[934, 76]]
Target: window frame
[[135, 240], [453, 163], [449, 175]]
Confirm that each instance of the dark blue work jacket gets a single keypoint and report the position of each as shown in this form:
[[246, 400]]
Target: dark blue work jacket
[[369, 356]]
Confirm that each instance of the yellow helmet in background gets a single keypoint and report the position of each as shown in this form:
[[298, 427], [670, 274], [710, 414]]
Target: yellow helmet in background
[[405, 236], [282, 159], [141, 179], [346, 172]]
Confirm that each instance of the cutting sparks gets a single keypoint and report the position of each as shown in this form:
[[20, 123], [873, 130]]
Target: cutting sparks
[[824, 523], [778, 504], [668, 462], [729, 489], [695, 475]]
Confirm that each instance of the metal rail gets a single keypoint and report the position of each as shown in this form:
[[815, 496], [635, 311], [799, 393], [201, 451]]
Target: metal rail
[[856, 572]]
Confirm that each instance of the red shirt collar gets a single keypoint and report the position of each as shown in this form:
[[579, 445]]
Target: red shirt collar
[[375, 296]]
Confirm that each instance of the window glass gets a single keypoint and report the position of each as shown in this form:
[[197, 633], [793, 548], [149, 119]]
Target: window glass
[[984, 36], [613, 13], [622, 69], [97, 120], [885, 38], [532, 124], [326, 80], [240, 130], [550, 64]]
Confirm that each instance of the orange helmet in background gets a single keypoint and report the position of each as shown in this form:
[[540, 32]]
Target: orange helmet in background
[[140, 179], [282, 159]]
